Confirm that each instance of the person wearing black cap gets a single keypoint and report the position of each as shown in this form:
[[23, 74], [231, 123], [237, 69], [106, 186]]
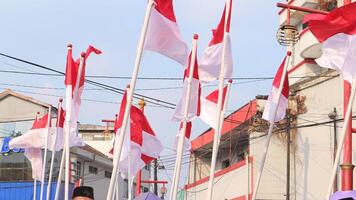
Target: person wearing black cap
[[83, 193]]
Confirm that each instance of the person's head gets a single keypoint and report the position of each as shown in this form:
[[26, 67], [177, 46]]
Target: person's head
[[83, 193]]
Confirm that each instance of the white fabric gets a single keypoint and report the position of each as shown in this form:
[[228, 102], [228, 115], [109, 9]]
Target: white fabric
[[271, 106], [339, 53], [35, 157], [193, 101], [210, 63], [36, 138], [163, 36], [186, 146], [208, 112], [151, 146]]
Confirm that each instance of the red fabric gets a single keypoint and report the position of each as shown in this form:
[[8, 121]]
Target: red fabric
[[72, 67], [61, 118], [195, 76], [278, 77], [213, 97], [165, 7], [40, 123], [146, 159], [188, 130], [339, 20], [218, 33], [120, 118]]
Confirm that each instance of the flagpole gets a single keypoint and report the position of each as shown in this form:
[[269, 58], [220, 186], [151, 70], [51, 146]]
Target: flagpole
[[341, 141], [217, 132], [69, 123], [129, 180], [54, 144], [180, 147], [118, 147], [225, 104], [269, 134], [60, 175], [45, 152], [35, 180]]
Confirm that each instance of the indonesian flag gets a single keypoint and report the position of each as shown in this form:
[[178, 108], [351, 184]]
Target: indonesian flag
[[209, 107], [163, 35], [32, 141], [141, 143], [271, 103], [188, 132], [337, 33], [72, 70], [194, 100], [73, 102], [36, 137], [210, 63]]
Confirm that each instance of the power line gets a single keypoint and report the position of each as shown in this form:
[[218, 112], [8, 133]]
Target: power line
[[105, 86]]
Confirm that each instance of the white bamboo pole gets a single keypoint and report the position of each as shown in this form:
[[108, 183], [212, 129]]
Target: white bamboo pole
[[60, 175], [180, 147], [269, 134], [34, 180], [248, 177], [118, 146], [341, 140], [217, 132], [54, 144], [222, 118], [45, 153], [69, 123]]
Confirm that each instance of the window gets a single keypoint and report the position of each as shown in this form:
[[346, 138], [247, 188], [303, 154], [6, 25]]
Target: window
[[107, 174], [225, 164], [79, 169], [93, 170]]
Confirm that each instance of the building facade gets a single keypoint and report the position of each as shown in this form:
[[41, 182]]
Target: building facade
[[316, 116]]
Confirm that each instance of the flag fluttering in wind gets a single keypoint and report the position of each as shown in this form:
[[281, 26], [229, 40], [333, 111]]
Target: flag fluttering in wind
[[209, 107], [73, 98], [32, 141], [337, 33], [163, 35], [141, 143], [188, 132], [210, 63], [36, 137], [194, 101], [272, 101]]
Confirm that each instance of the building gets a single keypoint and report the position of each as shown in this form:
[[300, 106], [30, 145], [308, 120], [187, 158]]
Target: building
[[316, 108], [88, 164]]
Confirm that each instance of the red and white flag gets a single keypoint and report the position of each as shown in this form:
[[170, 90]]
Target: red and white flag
[[32, 141], [143, 146], [337, 33], [210, 63], [209, 107], [272, 101], [36, 137], [73, 98], [163, 35], [194, 100], [188, 132]]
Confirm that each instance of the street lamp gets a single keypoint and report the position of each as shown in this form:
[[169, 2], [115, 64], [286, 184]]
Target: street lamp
[[163, 191]]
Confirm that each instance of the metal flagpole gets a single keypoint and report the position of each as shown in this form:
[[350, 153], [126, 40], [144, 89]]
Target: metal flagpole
[[54, 144], [269, 134], [34, 180], [69, 123], [60, 175], [45, 152], [180, 147], [341, 140], [118, 146], [220, 99]]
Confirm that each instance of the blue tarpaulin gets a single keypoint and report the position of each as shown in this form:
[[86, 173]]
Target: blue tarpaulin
[[24, 190]]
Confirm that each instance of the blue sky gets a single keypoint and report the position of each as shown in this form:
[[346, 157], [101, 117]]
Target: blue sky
[[38, 31]]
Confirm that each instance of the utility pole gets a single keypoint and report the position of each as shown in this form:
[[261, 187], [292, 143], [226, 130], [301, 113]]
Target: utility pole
[[155, 177], [332, 116], [288, 155]]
